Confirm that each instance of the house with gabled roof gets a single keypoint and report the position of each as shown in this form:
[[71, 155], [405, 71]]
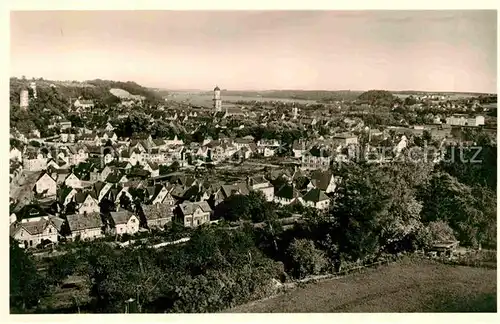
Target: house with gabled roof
[[109, 135], [122, 165], [140, 145], [194, 214], [85, 226], [175, 141], [73, 181], [116, 177], [77, 154], [109, 127], [259, 183], [153, 168], [46, 185], [30, 232], [101, 189], [160, 194], [228, 190], [132, 156], [123, 222], [123, 192], [65, 195], [287, 194], [51, 163], [156, 216], [323, 180], [105, 172], [86, 202], [316, 198], [16, 154]]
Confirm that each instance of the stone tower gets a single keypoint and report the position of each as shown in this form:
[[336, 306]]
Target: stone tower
[[217, 100], [24, 98]]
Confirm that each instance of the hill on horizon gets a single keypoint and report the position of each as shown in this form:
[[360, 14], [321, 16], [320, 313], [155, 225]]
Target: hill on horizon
[[91, 89]]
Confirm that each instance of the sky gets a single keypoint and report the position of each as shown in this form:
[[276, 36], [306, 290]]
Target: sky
[[259, 50]]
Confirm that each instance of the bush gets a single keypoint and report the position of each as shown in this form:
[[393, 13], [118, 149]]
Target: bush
[[305, 258]]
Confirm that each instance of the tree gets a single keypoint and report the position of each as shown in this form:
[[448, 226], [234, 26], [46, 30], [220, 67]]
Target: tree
[[467, 210], [125, 201], [305, 258], [360, 202], [233, 208], [61, 267], [427, 137], [26, 284], [440, 231], [260, 209]]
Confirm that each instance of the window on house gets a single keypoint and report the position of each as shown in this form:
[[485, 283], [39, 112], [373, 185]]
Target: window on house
[[50, 230]]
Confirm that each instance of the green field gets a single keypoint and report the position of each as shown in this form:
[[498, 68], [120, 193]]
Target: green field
[[401, 287]]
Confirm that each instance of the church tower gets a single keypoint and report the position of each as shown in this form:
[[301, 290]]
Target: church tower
[[217, 100]]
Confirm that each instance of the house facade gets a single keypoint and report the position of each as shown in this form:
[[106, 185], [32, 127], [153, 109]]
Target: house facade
[[85, 226], [31, 232], [46, 186], [316, 198], [157, 216], [262, 185], [124, 222], [194, 214]]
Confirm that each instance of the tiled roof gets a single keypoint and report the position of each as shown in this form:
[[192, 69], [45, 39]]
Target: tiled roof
[[158, 211], [84, 221], [315, 195], [287, 191], [321, 179], [188, 208], [121, 217]]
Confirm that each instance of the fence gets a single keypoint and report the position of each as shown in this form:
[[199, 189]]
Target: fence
[[340, 274], [484, 259]]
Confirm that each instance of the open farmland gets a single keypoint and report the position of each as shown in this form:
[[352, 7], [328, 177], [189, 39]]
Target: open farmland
[[401, 287], [205, 98]]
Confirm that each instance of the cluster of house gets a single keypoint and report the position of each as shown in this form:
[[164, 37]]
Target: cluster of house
[[48, 182], [40, 200], [59, 188]]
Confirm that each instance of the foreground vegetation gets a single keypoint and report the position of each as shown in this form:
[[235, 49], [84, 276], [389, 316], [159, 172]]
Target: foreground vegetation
[[423, 286]]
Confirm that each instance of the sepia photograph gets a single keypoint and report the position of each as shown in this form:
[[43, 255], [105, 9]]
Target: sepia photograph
[[252, 161]]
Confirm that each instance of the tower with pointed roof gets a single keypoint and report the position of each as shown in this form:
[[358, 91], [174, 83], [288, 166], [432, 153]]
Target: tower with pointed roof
[[217, 100]]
